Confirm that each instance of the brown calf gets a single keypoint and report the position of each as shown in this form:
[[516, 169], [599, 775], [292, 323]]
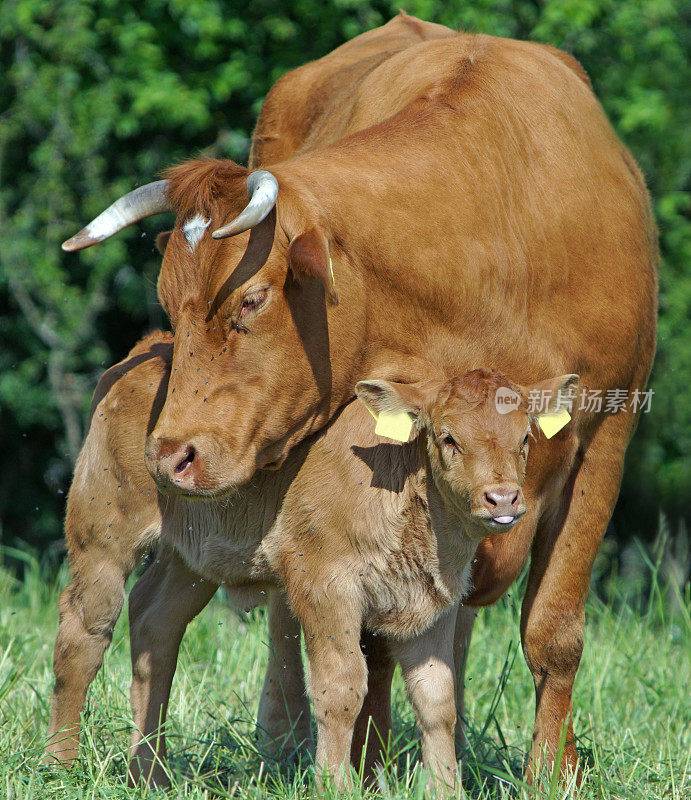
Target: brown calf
[[358, 532], [113, 519]]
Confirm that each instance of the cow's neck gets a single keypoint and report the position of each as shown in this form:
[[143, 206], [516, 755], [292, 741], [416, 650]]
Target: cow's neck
[[397, 304]]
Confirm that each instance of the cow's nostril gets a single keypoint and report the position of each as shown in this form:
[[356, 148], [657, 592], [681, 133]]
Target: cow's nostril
[[186, 460], [514, 500], [489, 500]]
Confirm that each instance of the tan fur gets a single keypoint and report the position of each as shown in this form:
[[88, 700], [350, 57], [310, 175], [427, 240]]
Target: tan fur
[[113, 518], [523, 295], [493, 237]]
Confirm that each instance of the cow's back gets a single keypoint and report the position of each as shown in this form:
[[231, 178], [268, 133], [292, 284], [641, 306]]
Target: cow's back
[[494, 156], [311, 105]]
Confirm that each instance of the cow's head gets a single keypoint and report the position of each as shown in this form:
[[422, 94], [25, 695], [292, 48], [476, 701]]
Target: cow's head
[[259, 361], [478, 431]]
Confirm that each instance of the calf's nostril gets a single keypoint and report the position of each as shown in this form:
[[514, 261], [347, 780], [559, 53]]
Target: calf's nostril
[[186, 460], [489, 500], [514, 500]]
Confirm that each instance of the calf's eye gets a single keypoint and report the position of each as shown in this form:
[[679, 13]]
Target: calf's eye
[[449, 440]]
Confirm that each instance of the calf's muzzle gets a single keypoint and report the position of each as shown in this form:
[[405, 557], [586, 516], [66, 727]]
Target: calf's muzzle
[[499, 506]]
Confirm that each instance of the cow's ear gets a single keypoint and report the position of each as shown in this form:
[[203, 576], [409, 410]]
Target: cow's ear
[[386, 397], [162, 241], [552, 395], [308, 256]]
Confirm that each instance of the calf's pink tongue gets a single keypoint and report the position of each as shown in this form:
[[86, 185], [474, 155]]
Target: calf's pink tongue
[[503, 520]]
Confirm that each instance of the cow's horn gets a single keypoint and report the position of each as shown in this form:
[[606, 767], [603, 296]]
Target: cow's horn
[[262, 189], [138, 204]]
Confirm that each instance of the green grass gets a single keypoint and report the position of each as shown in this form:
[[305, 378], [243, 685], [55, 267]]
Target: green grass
[[632, 705]]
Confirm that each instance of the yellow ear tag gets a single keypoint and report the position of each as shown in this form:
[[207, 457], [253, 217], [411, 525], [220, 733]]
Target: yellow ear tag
[[394, 426], [553, 423]]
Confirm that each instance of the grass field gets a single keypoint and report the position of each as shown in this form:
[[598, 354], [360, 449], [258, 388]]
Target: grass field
[[632, 705]]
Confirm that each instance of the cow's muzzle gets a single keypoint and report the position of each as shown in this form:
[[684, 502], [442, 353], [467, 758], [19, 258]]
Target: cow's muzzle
[[178, 466]]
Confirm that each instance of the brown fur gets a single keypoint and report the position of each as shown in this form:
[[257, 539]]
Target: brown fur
[[478, 209], [113, 518]]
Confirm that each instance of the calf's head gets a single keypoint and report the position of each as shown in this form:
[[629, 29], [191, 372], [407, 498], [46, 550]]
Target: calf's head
[[477, 443], [262, 353]]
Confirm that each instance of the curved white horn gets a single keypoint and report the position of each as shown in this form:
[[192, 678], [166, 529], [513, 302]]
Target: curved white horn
[[132, 207], [262, 189]]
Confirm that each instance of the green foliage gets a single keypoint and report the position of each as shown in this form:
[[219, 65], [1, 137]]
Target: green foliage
[[631, 706], [100, 96]]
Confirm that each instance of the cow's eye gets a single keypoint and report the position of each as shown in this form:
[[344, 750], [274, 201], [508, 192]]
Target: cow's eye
[[525, 441], [251, 302]]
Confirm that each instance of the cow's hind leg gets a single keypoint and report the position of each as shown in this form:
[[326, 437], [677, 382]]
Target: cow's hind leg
[[162, 603], [553, 613], [89, 608], [283, 718]]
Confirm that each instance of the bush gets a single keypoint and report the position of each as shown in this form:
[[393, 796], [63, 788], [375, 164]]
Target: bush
[[102, 96]]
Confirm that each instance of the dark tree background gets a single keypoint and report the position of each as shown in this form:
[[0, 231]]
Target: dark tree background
[[97, 97]]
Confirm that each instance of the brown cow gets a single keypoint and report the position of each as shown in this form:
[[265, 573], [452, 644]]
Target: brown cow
[[357, 531], [470, 205]]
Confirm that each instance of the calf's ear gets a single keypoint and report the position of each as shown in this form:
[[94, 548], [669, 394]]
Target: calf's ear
[[385, 397], [552, 395], [308, 256], [162, 241]]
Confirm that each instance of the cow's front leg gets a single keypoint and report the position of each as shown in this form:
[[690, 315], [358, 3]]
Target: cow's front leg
[[338, 679], [162, 603], [283, 719], [553, 613], [427, 665]]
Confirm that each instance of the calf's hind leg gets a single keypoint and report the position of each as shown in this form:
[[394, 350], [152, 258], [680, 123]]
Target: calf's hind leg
[[373, 724], [465, 619], [89, 608], [104, 545], [283, 718]]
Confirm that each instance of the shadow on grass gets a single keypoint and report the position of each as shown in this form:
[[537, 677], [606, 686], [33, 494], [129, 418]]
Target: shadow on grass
[[234, 761]]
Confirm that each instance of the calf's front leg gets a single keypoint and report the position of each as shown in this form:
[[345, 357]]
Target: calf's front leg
[[427, 665], [338, 678]]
